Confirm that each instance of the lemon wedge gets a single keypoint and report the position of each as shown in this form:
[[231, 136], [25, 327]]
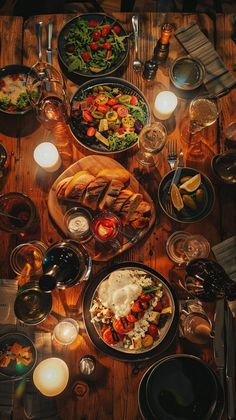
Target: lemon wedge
[[176, 197], [192, 184]]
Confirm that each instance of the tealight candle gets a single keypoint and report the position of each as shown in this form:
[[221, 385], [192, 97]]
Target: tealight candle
[[46, 155], [66, 331], [165, 104], [51, 376]]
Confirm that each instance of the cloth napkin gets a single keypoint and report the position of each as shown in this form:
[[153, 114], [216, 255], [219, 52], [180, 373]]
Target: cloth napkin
[[218, 80], [225, 253]]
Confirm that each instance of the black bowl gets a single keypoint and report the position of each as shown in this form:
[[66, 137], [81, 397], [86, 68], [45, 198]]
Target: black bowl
[[98, 17], [127, 88], [224, 167], [186, 215], [181, 387], [143, 404], [187, 73]]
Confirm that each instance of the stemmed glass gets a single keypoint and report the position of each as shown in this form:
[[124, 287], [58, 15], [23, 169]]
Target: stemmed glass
[[46, 89], [203, 112], [151, 141]]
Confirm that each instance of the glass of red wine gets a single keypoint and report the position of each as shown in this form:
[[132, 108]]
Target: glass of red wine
[[17, 213]]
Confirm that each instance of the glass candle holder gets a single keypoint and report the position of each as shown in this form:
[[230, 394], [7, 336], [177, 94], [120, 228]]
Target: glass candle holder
[[47, 157], [51, 376], [165, 104], [66, 331]]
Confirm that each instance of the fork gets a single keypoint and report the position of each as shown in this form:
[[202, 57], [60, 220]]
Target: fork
[[175, 179], [172, 153]]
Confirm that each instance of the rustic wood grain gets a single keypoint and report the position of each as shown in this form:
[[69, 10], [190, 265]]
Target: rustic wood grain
[[114, 394]]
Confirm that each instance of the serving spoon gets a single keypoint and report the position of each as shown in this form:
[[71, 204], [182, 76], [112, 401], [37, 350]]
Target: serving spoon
[[137, 64]]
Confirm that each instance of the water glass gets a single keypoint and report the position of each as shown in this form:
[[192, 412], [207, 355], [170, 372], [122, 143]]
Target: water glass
[[151, 141], [26, 259]]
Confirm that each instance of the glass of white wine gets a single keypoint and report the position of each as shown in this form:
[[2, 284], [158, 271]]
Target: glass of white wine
[[151, 141], [203, 112]]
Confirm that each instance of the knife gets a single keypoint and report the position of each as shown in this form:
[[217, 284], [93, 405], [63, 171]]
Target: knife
[[39, 26], [178, 170], [230, 365], [219, 340], [49, 43]]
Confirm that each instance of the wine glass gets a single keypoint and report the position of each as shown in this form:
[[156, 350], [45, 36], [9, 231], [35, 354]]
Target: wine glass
[[151, 141], [203, 112], [182, 247], [47, 94]]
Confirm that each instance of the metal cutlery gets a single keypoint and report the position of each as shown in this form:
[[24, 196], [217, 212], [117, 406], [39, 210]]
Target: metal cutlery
[[49, 43], [230, 365], [137, 64], [172, 153], [175, 180], [39, 27], [219, 340]]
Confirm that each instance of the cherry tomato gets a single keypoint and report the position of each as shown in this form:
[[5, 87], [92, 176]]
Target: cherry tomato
[[165, 300], [101, 98], [145, 297], [116, 29], [134, 317], [105, 30], [136, 307], [91, 131], [122, 325], [94, 46], [86, 56], [120, 130], [96, 35], [93, 24], [11, 108], [87, 116], [103, 108], [153, 330], [144, 305], [122, 111], [133, 100], [106, 45], [112, 101], [158, 307], [108, 337], [89, 100]]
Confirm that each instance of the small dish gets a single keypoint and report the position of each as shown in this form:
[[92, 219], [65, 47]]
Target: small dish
[[105, 226], [22, 210], [17, 355], [78, 223], [187, 73], [188, 215], [224, 167]]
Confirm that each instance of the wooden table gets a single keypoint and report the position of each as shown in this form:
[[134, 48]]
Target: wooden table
[[115, 395]]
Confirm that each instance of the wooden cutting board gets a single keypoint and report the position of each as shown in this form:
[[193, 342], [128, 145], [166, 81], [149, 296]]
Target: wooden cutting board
[[124, 241]]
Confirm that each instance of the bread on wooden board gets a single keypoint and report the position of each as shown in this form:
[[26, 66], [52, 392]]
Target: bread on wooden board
[[78, 184], [115, 173], [61, 187], [130, 206], [111, 194], [94, 191]]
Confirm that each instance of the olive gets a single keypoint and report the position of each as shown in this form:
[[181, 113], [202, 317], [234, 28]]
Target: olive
[[199, 195], [184, 179], [189, 202]]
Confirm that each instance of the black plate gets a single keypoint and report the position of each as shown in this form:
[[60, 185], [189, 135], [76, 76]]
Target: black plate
[[97, 340], [15, 69], [143, 405], [128, 89], [14, 370], [99, 17], [187, 215]]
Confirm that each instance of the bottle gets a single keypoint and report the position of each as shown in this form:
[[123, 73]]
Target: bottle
[[65, 264], [161, 50], [150, 69]]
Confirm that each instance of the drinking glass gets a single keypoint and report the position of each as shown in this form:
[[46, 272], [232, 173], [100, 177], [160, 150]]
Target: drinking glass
[[47, 94], [203, 112], [182, 247], [17, 213], [26, 259], [151, 141]]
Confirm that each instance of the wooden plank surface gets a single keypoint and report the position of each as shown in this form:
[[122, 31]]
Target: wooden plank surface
[[114, 394]]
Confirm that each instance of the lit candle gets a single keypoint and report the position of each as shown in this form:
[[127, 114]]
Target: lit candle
[[46, 155], [165, 104], [66, 331], [51, 376]]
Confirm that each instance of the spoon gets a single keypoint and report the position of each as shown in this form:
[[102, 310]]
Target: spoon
[[137, 64], [9, 215]]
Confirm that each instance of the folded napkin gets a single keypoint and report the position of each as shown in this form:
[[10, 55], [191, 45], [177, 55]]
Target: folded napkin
[[218, 80], [8, 290]]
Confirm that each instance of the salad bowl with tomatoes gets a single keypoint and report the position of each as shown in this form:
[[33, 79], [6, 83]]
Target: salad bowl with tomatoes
[[92, 45], [108, 114], [130, 312]]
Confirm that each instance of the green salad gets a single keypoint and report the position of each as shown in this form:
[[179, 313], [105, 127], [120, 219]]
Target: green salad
[[92, 46], [108, 118]]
